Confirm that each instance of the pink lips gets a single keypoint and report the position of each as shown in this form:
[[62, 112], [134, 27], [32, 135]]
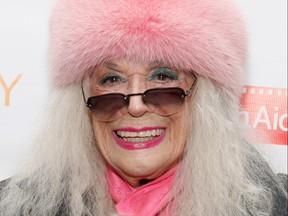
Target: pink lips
[[138, 145]]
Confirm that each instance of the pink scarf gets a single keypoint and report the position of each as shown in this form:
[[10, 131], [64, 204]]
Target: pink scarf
[[146, 200]]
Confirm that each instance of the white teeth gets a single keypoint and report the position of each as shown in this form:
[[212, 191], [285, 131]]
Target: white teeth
[[141, 136]]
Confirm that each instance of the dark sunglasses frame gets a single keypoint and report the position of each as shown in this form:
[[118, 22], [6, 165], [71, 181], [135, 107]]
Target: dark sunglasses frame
[[126, 98]]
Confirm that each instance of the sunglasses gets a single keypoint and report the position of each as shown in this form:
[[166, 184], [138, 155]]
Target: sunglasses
[[162, 101]]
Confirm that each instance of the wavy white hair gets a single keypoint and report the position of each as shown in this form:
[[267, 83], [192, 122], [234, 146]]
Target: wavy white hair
[[220, 173]]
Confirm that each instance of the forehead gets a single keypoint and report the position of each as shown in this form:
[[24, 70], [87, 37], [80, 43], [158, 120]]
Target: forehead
[[126, 64]]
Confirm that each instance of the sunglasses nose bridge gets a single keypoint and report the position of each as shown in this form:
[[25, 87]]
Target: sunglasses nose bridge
[[127, 97], [136, 104]]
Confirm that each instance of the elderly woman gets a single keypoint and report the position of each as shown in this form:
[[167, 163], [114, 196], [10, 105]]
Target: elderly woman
[[143, 120]]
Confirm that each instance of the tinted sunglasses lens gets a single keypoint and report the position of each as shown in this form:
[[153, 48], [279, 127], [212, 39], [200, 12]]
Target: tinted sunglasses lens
[[104, 107], [165, 101], [161, 101]]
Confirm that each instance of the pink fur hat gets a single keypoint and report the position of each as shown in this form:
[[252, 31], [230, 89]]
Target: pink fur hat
[[206, 36]]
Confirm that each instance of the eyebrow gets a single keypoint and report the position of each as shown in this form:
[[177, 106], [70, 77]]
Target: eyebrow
[[155, 64], [111, 65]]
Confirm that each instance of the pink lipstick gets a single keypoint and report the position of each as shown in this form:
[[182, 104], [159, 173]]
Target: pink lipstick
[[139, 138]]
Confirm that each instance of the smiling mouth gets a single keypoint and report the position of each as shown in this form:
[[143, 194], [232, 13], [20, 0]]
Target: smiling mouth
[[141, 136]]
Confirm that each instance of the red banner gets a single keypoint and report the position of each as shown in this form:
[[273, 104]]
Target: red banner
[[265, 109]]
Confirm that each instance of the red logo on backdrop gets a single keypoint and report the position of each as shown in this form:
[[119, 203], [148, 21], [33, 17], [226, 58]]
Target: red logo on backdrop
[[265, 109]]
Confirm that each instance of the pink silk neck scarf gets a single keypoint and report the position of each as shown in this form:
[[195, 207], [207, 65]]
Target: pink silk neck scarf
[[146, 200]]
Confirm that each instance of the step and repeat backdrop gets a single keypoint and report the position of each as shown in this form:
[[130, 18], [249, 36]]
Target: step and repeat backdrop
[[24, 80]]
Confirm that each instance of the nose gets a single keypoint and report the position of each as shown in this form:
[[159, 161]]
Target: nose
[[136, 106]]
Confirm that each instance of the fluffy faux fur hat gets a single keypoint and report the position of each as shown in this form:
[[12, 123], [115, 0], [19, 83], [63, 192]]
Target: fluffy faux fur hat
[[206, 36]]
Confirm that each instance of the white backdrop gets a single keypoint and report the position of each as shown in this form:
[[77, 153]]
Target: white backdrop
[[24, 83]]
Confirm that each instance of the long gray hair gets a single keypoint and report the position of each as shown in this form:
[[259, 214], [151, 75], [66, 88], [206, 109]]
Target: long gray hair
[[220, 173]]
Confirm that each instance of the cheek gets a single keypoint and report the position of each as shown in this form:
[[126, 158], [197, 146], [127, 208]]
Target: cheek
[[176, 142], [102, 133], [179, 130]]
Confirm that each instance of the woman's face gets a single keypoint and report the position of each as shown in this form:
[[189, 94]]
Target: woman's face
[[138, 141]]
